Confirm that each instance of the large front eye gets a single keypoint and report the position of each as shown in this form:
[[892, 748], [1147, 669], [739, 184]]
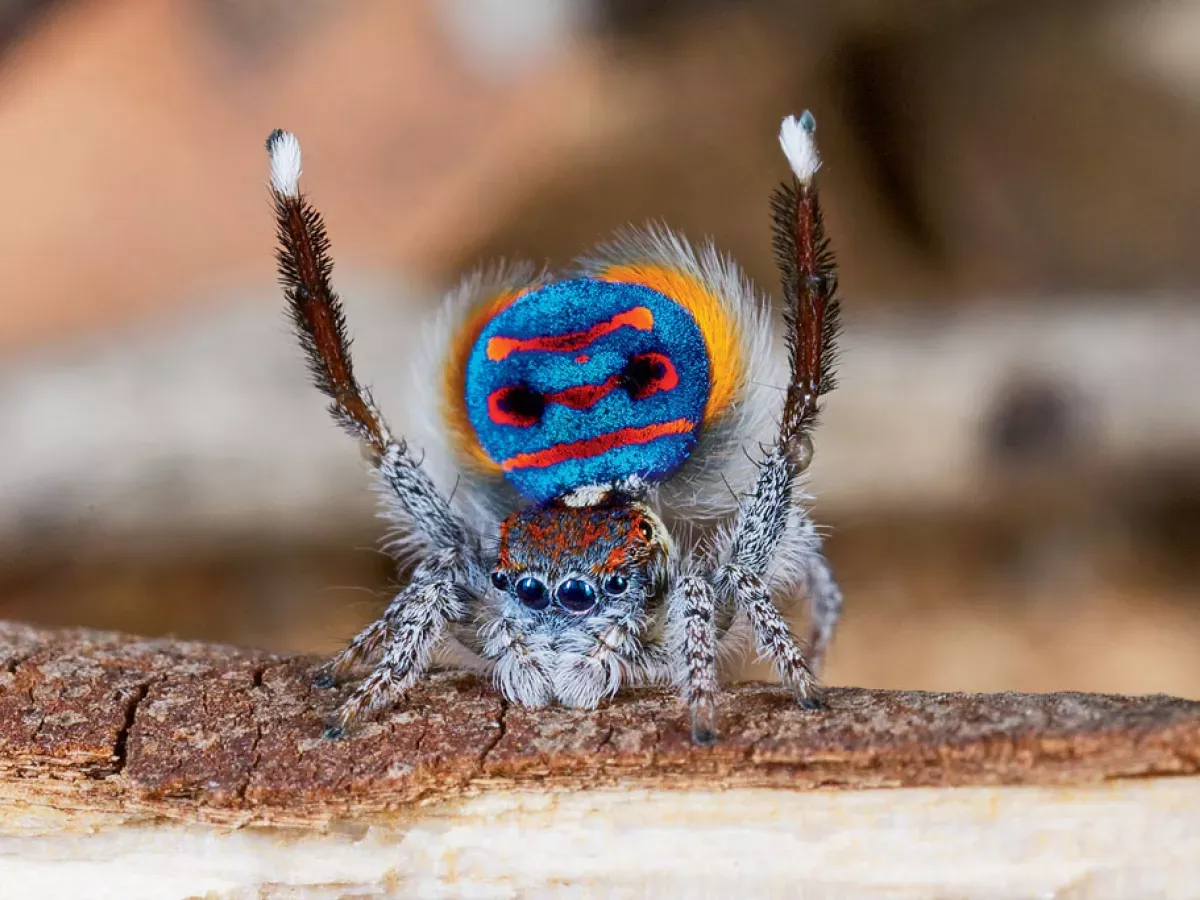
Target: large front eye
[[533, 593], [616, 585], [576, 595]]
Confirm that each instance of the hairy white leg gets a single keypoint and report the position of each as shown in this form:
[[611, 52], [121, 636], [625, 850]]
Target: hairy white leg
[[801, 563], [366, 646], [825, 608], [771, 633], [763, 515], [417, 618], [762, 520], [374, 640], [416, 505], [521, 662], [692, 629]]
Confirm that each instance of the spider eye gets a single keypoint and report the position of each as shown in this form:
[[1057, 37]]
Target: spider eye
[[576, 595], [615, 585], [499, 580], [647, 530], [532, 593]]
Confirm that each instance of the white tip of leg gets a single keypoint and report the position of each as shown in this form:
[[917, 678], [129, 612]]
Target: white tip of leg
[[799, 146], [284, 150]]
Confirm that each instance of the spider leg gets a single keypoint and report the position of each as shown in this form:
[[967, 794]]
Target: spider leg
[[417, 621], [809, 282], [305, 269], [691, 611], [808, 277], [825, 608], [771, 633], [367, 645], [521, 662]]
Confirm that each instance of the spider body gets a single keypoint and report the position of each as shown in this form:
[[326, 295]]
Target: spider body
[[586, 381], [582, 584], [593, 539]]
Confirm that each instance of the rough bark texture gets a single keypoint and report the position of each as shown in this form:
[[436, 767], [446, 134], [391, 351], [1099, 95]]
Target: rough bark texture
[[191, 732]]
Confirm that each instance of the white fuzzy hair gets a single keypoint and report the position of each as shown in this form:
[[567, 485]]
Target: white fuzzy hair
[[799, 146], [283, 148]]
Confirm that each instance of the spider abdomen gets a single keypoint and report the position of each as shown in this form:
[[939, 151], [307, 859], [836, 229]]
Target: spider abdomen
[[587, 381]]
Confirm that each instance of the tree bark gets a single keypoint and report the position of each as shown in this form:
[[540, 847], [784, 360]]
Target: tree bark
[[213, 757]]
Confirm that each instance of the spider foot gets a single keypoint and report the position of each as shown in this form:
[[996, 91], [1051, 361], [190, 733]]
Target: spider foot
[[813, 700], [377, 692], [704, 723]]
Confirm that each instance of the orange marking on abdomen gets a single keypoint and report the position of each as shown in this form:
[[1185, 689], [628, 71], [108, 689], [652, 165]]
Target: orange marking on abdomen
[[639, 317], [454, 375], [722, 333], [595, 446]]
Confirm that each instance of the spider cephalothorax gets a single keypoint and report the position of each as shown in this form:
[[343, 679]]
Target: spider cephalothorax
[[593, 538], [584, 584], [568, 560]]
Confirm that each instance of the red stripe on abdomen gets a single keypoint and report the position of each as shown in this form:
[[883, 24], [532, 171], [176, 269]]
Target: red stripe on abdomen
[[595, 446], [584, 396], [661, 376], [639, 317]]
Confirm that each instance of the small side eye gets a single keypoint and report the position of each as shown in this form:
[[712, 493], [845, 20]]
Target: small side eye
[[499, 580], [647, 530], [533, 593], [615, 585]]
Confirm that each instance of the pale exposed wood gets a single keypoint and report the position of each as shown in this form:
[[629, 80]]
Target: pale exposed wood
[[1123, 840], [162, 768]]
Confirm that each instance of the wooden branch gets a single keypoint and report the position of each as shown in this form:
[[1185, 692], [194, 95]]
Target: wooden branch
[[213, 756]]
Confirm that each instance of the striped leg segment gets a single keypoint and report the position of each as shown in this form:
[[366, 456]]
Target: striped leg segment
[[771, 633], [691, 609], [417, 620]]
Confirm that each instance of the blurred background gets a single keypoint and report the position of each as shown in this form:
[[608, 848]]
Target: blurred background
[[1009, 473]]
